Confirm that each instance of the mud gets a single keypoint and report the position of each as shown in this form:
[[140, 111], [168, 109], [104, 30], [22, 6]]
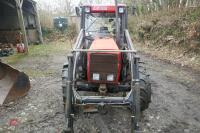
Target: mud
[[175, 106]]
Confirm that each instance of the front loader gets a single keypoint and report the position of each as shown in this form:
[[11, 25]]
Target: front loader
[[104, 61], [13, 84]]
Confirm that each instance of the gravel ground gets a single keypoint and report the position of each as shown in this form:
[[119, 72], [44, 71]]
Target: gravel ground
[[175, 106]]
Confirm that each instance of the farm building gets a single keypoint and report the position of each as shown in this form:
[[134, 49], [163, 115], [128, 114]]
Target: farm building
[[19, 21]]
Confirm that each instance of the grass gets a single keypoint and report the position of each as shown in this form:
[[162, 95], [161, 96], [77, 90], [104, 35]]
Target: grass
[[37, 57], [44, 50], [39, 73], [13, 59], [39, 51]]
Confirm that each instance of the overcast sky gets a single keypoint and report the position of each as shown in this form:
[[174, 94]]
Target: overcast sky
[[58, 5], [74, 2], [52, 2]]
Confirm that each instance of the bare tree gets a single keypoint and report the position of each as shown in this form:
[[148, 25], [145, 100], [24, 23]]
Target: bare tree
[[68, 7], [180, 3]]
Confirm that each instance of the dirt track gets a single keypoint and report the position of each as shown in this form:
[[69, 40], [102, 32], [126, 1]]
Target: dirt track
[[175, 103]]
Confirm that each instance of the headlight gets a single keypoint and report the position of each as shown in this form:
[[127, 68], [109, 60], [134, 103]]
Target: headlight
[[121, 10], [87, 9], [60, 25], [96, 76], [110, 77]]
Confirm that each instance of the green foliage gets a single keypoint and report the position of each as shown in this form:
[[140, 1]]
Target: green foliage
[[52, 35], [46, 49], [13, 59], [71, 31], [193, 14], [47, 31], [174, 28]]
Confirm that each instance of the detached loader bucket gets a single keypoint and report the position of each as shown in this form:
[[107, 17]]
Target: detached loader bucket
[[13, 83]]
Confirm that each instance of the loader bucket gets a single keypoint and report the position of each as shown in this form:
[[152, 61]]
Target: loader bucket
[[13, 84]]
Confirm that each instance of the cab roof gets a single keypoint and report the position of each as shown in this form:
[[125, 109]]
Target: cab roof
[[110, 8], [120, 5]]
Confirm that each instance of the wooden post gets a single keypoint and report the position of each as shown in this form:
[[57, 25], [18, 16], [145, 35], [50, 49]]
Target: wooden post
[[21, 23], [38, 23]]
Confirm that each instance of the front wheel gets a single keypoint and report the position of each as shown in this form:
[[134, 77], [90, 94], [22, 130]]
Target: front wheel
[[145, 94]]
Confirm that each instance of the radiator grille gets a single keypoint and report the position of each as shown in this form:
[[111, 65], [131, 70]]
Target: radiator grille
[[104, 64]]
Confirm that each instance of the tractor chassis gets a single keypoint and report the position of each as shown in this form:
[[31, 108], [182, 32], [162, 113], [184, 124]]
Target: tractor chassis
[[132, 99]]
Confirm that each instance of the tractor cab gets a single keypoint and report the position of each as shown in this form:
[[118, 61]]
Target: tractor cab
[[99, 21], [101, 30]]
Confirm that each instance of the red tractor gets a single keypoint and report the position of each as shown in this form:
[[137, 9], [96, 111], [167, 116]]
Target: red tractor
[[104, 61]]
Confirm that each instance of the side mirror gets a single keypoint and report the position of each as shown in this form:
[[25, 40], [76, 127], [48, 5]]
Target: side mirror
[[77, 11]]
